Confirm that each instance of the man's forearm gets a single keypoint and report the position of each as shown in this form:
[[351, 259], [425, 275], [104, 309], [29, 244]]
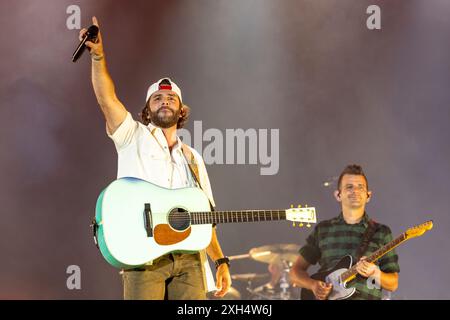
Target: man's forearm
[[113, 110], [301, 278], [102, 83], [214, 250]]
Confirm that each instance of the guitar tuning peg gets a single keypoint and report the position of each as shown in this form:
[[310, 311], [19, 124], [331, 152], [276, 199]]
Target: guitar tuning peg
[[292, 205], [299, 205], [300, 225], [293, 224], [306, 206], [308, 225]]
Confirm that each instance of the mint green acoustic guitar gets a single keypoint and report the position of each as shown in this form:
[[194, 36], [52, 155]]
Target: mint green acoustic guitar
[[137, 221]]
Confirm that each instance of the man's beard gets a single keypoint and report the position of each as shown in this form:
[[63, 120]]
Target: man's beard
[[164, 120]]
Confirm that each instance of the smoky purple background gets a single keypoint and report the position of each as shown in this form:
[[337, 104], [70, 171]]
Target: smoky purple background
[[338, 92]]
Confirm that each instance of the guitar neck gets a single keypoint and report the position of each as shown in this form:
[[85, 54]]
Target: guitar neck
[[351, 273], [237, 216]]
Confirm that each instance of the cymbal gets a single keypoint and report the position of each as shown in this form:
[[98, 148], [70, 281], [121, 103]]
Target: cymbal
[[233, 294], [239, 256], [249, 276], [276, 253]]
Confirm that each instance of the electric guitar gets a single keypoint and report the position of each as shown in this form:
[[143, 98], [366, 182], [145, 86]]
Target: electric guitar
[[137, 221], [343, 272]]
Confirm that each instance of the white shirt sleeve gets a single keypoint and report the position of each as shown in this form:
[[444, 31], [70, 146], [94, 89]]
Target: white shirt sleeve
[[124, 134]]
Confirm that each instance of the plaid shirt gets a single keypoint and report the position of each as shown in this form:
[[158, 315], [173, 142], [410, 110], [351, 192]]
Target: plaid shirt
[[332, 239]]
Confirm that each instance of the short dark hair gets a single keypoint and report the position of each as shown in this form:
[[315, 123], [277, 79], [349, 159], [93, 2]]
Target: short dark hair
[[353, 169]]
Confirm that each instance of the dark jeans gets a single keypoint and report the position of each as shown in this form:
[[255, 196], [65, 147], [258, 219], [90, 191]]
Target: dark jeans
[[174, 276]]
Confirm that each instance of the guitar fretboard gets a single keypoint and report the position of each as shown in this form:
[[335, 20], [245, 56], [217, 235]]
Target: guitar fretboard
[[375, 256], [237, 216]]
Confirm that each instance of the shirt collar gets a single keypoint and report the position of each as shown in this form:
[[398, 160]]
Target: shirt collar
[[153, 129]]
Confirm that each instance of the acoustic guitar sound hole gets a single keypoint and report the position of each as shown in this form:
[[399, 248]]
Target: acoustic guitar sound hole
[[179, 219]]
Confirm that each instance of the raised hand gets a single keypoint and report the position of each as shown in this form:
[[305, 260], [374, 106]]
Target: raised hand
[[95, 49]]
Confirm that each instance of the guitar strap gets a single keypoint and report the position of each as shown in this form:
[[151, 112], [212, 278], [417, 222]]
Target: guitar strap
[[367, 236], [190, 159]]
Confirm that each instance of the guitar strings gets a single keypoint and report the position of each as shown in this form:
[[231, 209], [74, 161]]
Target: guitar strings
[[220, 215]]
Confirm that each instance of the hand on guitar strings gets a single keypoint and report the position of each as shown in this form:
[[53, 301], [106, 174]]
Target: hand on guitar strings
[[367, 269]]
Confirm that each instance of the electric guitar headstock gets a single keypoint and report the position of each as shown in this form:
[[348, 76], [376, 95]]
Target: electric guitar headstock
[[301, 215], [419, 230]]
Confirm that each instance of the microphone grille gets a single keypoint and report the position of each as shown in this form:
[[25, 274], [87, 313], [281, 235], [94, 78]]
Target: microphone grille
[[92, 31]]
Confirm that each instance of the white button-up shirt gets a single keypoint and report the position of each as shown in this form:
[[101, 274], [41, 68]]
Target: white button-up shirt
[[143, 153]]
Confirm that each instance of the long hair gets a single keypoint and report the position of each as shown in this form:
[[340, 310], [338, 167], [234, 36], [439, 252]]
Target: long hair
[[185, 112]]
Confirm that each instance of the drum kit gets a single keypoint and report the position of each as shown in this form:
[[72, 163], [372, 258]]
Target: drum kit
[[280, 258]]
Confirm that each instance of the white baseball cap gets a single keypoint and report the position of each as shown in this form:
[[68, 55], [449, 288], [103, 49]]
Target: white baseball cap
[[163, 86]]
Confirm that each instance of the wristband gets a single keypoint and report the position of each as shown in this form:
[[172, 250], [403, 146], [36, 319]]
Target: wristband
[[97, 58], [223, 260]]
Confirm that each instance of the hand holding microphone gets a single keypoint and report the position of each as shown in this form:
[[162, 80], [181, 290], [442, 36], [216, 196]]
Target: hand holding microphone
[[90, 38]]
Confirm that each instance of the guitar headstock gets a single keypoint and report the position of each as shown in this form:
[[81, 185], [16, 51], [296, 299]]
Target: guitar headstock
[[419, 230], [301, 215]]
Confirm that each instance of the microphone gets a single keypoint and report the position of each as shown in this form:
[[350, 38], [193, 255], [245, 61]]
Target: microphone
[[90, 35]]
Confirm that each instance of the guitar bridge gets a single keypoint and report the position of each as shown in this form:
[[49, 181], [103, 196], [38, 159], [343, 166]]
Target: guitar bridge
[[94, 225], [148, 220]]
